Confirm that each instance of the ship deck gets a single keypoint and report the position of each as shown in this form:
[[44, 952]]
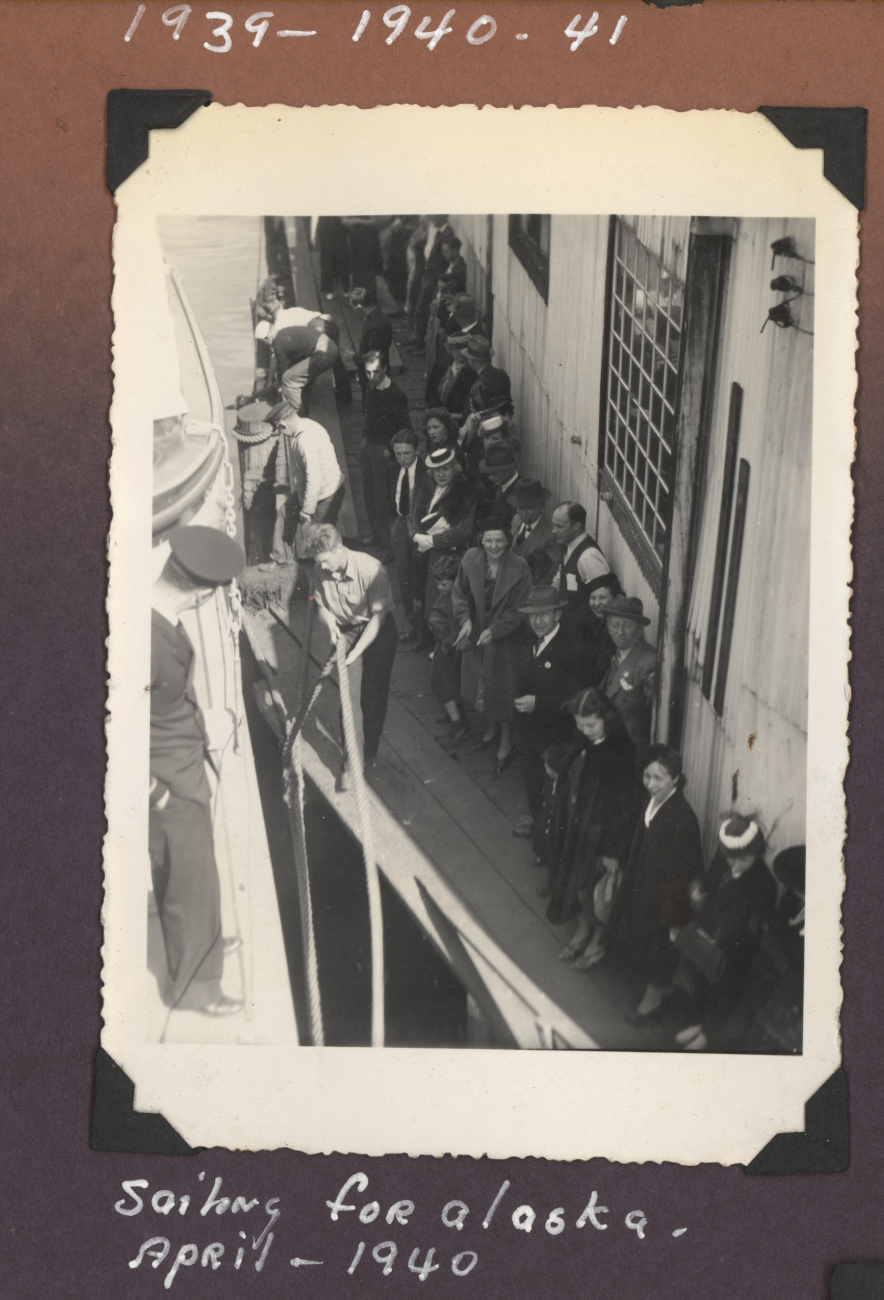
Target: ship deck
[[443, 826]]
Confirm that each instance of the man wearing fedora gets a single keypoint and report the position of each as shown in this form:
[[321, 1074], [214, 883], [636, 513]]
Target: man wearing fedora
[[479, 354], [450, 380], [500, 474], [180, 838], [532, 529], [549, 671], [631, 677]]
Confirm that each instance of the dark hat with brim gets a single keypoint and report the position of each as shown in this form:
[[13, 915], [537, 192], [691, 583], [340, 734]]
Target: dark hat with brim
[[542, 600], [279, 412], [627, 607], [478, 346], [494, 383], [497, 458], [528, 492], [208, 556], [463, 309]]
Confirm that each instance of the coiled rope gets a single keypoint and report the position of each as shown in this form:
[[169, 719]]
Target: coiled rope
[[254, 437], [375, 914]]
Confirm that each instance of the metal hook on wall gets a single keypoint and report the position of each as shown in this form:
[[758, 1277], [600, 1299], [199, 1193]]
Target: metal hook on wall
[[781, 316], [786, 247]]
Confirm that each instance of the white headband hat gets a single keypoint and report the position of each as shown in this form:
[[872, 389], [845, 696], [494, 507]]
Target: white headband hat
[[741, 840]]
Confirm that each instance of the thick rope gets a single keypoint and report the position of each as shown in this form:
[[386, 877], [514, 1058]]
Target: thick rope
[[293, 783], [375, 915], [252, 437]]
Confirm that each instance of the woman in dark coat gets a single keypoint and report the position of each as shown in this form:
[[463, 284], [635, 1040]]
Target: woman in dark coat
[[597, 806], [736, 896], [490, 586], [665, 856], [441, 523]]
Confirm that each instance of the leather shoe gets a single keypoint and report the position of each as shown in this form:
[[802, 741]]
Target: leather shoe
[[224, 1006], [499, 766], [460, 733]]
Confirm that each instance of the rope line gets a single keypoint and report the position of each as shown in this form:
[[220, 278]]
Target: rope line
[[252, 438], [293, 793], [375, 915]]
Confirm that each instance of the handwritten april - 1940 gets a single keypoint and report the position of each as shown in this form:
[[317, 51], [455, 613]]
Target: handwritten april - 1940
[[396, 20], [399, 1223]]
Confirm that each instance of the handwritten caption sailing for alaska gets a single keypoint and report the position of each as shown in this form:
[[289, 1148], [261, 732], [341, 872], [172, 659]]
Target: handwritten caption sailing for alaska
[[396, 19], [253, 1248]]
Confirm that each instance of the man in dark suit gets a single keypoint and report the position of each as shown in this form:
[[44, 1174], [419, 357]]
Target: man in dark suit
[[549, 672], [631, 677], [499, 476], [406, 473], [181, 843], [532, 528], [494, 381]]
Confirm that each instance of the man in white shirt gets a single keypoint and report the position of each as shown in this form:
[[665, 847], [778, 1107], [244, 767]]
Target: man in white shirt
[[284, 318], [581, 564], [315, 485]]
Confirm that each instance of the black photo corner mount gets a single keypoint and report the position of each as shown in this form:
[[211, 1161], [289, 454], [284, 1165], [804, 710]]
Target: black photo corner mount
[[117, 1126], [839, 132], [857, 1282], [132, 114], [823, 1147]]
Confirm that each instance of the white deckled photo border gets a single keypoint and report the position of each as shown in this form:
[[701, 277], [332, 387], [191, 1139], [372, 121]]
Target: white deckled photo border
[[626, 1106]]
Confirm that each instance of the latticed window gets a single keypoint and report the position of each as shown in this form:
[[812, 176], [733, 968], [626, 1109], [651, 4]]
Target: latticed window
[[645, 324], [529, 240]]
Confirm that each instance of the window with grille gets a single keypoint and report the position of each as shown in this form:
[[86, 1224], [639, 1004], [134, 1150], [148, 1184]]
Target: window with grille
[[644, 337], [529, 240]]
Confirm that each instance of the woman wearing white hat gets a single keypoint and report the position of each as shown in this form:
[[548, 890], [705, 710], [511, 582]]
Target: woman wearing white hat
[[735, 896]]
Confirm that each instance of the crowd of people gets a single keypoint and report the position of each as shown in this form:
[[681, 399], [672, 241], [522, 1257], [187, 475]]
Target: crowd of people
[[528, 629]]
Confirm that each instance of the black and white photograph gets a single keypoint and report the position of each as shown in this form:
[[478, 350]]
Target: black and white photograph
[[480, 629]]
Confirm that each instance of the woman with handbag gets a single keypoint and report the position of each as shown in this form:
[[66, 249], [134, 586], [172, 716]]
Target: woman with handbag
[[441, 524], [491, 585], [738, 896], [665, 856], [597, 804]]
